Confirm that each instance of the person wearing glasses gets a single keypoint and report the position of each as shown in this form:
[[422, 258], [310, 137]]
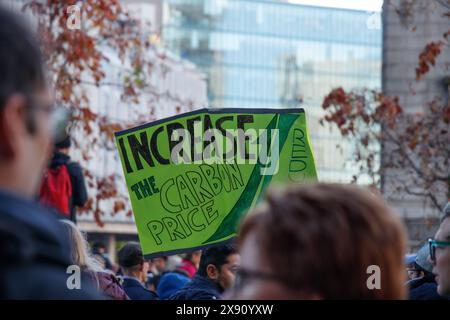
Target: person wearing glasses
[[440, 254], [34, 247], [321, 241], [424, 287], [216, 274]]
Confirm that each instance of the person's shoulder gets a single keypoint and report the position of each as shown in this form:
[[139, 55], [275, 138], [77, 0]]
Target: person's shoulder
[[73, 166], [425, 291], [40, 233], [137, 291], [45, 282], [204, 295], [414, 283], [179, 295], [143, 294], [107, 279], [110, 286], [192, 292], [131, 283]]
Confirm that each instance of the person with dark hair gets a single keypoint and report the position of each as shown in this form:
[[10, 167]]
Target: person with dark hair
[[134, 268], [321, 241], [439, 249], [62, 171], [216, 273], [34, 247]]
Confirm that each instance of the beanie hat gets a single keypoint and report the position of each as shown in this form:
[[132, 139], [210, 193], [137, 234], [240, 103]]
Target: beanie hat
[[63, 144], [170, 283]]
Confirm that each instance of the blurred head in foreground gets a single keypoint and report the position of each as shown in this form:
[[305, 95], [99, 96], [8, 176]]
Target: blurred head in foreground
[[321, 242], [25, 108]]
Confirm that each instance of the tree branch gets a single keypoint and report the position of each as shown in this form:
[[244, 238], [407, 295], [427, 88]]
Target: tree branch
[[429, 195], [442, 3]]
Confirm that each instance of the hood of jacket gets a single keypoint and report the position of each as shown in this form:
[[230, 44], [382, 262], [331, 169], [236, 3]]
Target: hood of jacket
[[59, 159]]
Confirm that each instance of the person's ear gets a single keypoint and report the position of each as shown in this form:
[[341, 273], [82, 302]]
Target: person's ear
[[12, 125], [141, 266], [212, 272]]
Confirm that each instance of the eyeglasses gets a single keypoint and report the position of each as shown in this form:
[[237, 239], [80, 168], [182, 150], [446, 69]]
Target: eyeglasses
[[59, 118], [434, 245]]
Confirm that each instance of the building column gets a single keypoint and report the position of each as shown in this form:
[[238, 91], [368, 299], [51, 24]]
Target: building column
[[112, 247]]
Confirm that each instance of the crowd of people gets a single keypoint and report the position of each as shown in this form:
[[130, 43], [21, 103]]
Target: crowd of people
[[314, 241]]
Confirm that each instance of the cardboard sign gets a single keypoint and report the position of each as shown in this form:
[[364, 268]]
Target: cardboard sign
[[192, 177]]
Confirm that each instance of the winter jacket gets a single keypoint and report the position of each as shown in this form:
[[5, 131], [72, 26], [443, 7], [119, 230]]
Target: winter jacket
[[200, 288], [109, 285], [424, 288], [136, 291], [34, 253]]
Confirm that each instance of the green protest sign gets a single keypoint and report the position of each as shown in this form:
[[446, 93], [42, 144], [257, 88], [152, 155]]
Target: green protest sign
[[193, 176]]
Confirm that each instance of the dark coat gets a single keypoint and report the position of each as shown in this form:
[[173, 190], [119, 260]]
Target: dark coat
[[79, 192], [200, 288], [34, 253], [136, 291], [424, 288]]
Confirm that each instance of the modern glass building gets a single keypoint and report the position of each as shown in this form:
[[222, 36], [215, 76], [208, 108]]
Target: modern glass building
[[271, 54]]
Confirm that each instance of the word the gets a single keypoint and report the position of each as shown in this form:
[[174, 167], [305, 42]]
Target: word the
[[144, 188]]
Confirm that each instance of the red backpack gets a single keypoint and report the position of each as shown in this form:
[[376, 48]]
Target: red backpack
[[56, 189]]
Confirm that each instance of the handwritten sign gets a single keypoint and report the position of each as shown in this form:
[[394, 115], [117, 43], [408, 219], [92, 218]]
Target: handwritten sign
[[192, 177]]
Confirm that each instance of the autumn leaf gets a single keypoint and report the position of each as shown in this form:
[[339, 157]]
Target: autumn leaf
[[118, 206], [428, 57]]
